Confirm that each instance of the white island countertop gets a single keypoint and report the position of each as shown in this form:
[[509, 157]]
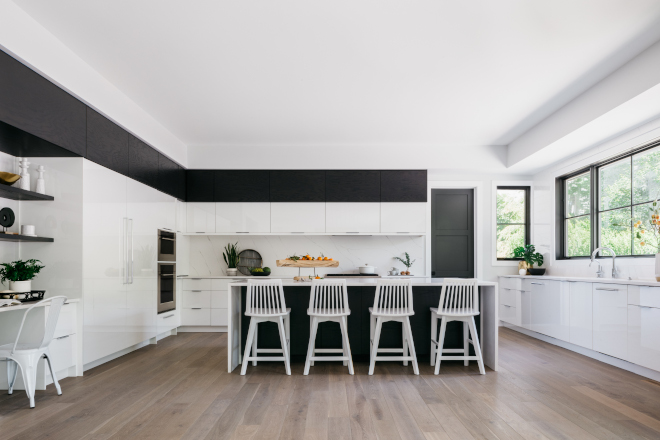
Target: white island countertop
[[638, 282], [362, 282], [29, 304]]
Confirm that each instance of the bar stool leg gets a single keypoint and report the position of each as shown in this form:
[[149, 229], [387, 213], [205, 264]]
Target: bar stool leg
[[254, 344], [477, 346], [347, 344], [441, 343], [312, 342], [287, 331], [466, 343], [434, 335], [404, 337], [374, 348], [285, 345], [411, 346], [248, 346]]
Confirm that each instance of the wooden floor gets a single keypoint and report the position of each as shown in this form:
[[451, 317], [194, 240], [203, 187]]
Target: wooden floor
[[180, 389]]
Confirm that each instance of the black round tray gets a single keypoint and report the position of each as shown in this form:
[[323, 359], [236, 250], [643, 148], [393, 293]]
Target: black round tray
[[248, 259]]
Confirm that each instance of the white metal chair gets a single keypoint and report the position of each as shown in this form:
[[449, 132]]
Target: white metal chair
[[328, 301], [459, 301], [265, 303], [393, 302], [27, 355]]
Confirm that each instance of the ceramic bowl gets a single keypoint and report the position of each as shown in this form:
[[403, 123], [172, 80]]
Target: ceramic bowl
[[537, 271], [8, 178]]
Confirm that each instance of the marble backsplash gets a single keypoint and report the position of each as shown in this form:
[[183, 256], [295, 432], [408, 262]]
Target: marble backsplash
[[351, 252]]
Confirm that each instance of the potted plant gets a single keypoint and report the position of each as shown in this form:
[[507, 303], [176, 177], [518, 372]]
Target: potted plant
[[231, 258], [20, 274], [647, 231], [406, 263], [530, 257]]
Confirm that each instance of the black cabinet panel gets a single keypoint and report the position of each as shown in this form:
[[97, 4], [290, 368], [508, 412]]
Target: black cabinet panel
[[107, 143], [142, 162], [242, 186], [352, 186], [297, 186], [403, 186], [168, 175], [180, 180], [31, 103], [199, 185]]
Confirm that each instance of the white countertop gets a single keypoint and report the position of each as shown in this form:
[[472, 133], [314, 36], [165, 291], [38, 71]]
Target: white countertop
[[30, 304], [206, 277], [644, 282], [419, 281]]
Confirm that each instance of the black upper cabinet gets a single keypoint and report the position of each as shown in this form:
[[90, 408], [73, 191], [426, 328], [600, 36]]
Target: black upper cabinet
[[403, 186], [242, 186], [33, 104], [297, 186], [142, 162], [180, 183], [168, 175], [199, 185], [107, 143], [352, 186]]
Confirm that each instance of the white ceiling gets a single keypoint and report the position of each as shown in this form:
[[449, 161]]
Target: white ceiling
[[437, 74]]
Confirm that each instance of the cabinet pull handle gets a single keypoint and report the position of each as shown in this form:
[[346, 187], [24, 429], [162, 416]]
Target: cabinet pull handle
[[239, 232], [352, 232], [196, 308], [608, 290], [505, 305], [403, 232], [646, 307], [200, 232], [539, 284], [168, 316], [297, 232], [196, 279], [63, 337], [195, 290]]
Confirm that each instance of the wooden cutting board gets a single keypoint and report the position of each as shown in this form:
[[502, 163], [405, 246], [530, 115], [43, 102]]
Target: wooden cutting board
[[307, 263]]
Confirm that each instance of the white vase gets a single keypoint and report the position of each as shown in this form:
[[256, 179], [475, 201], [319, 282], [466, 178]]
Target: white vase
[[657, 267], [21, 286], [231, 272]]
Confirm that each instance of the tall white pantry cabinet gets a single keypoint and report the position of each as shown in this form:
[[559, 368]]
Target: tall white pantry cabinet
[[121, 218]]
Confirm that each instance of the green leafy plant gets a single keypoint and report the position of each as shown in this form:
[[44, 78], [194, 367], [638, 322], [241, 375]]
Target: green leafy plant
[[231, 255], [20, 270], [407, 261], [528, 254]]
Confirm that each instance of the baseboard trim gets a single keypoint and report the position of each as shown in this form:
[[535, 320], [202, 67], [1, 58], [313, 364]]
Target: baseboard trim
[[203, 329], [123, 352], [616, 362]]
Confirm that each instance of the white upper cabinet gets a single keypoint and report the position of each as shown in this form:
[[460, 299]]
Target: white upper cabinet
[[200, 217], [581, 318], [242, 217], [403, 217], [181, 215], [297, 217], [352, 217], [610, 319]]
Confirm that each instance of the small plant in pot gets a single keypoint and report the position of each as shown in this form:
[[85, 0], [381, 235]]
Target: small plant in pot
[[20, 274], [406, 262], [530, 257], [231, 258]]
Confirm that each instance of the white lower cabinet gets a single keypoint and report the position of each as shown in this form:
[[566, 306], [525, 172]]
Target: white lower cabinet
[[219, 317], [403, 218], [526, 309], [510, 306], [204, 302], [196, 317], [550, 308], [581, 314], [610, 314], [644, 336], [62, 353]]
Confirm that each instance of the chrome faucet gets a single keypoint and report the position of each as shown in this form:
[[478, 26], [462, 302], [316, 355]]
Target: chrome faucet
[[599, 273]]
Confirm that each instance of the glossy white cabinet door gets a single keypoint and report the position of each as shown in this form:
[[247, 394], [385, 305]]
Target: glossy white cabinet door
[[181, 215], [610, 319], [242, 217], [403, 217], [550, 308], [219, 299], [297, 217], [200, 217], [219, 317], [195, 316], [581, 314], [644, 336], [352, 217], [182, 255], [104, 264], [526, 309]]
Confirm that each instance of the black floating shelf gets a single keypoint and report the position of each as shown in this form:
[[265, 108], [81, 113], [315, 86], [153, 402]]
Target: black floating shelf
[[10, 237], [10, 192]]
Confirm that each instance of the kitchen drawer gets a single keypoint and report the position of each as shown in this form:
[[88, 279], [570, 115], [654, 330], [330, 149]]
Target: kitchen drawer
[[196, 284], [66, 323], [62, 353], [219, 299], [644, 296], [610, 287], [195, 316], [610, 319], [219, 317], [196, 299], [508, 297], [168, 320], [222, 283], [511, 283], [508, 314]]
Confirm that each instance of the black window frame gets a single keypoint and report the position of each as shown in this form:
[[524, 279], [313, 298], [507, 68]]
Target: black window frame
[[560, 205], [528, 220]]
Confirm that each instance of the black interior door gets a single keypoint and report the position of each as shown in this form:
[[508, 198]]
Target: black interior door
[[452, 241]]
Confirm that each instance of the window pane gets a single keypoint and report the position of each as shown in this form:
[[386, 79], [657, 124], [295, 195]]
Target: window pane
[[614, 185], [510, 206], [646, 176], [578, 195], [615, 230], [646, 232], [509, 237], [578, 237]]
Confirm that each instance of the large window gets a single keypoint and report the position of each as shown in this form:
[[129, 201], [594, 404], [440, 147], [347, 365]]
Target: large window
[[512, 220], [623, 191]]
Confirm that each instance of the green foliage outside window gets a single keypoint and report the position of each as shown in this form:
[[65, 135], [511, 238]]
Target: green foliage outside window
[[511, 221]]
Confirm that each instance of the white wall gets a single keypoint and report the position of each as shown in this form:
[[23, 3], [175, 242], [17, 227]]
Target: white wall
[[544, 197], [9, 250]]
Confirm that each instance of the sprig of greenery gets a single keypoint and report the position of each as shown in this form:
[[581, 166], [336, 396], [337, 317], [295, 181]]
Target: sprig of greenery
[[407, 261], [231, 255], [528, 254], [20, 270]]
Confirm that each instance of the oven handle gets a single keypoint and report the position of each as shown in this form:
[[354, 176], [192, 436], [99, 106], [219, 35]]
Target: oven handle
[[166, 274], [168, 239]]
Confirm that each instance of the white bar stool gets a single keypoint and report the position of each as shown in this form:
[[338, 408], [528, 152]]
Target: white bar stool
[[328, 301], [393, 302], [27, 356], [459, 301], [265, 303]]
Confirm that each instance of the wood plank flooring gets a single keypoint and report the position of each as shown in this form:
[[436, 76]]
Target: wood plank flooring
[[180, 389]]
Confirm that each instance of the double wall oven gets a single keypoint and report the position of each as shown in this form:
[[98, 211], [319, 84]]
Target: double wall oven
[[166, 271]]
